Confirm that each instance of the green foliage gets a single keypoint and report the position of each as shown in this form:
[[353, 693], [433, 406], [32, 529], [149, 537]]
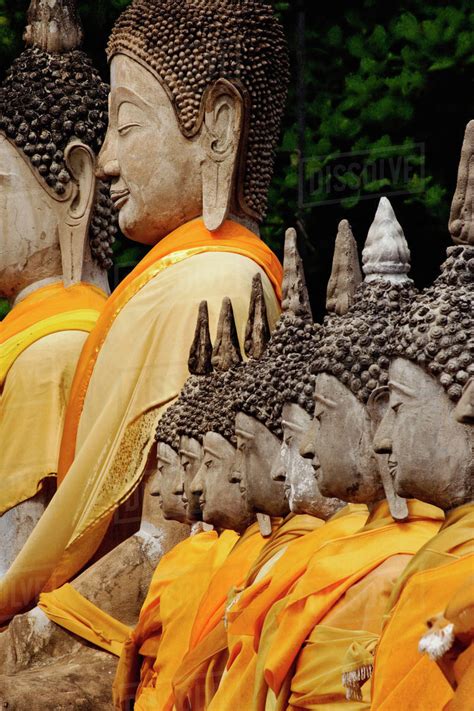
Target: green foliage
[[3, 308], [385, 81]]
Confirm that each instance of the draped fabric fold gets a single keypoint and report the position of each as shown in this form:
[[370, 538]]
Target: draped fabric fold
[[48, 310], [110, 427], [333, 571], [424, 590], [178, 609], [40, 343], [246, 618], [197, 679], [231, 574], [141, 648], [72, 611], [190, 239]]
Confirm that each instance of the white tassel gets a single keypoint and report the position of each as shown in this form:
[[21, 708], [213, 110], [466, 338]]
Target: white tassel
[[436, 644], [353, 681]]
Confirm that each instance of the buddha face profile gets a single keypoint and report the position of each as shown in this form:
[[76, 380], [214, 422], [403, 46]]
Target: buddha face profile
[[339, 444], [257, 449], [166, 483], [430, 453], [56, 220], [185, 136], [151, 163], [221, 500], [295, 471], [190, 454]]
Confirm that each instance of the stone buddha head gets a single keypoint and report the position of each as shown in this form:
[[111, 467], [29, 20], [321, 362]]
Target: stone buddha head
[[222, 502], [200, 427], [257, 426], [198, 91], [291, 386], [430, 446], [351, 363], [57, 220], [170, 475], [179, 439]]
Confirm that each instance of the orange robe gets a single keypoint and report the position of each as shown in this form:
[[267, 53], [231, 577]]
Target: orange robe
[[409, 679], [464, 675], [116, 402], [40, 343], [460, 613], [246, 618], [345, 587], [140, 651], [198, 676]]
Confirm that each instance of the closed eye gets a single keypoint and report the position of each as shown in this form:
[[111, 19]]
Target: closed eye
[[126, 128]]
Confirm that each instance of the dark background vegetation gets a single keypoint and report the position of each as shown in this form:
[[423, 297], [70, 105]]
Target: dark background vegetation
[[387, 79]]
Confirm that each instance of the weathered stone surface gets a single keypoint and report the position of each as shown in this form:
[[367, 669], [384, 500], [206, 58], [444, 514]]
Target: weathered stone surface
[[61, 686], [33, 647]]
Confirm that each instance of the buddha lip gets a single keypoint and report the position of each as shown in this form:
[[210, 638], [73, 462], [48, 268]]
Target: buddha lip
[[119, 198], [392, 467]]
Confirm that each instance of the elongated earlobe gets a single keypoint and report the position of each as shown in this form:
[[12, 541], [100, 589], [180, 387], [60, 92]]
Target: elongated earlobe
[[223, 124], [80, 161]]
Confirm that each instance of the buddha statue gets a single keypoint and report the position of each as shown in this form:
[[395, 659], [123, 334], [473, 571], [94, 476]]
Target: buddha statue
[[57, 227], [427, 435], [209, 116], [350, 366]]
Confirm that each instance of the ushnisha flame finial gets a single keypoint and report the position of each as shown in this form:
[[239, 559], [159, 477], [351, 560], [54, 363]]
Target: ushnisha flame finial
[[226, 351], [295, 293], [200, 355], [257, 332], [346, 275], [461, 225], [386, 254], [53, 26]]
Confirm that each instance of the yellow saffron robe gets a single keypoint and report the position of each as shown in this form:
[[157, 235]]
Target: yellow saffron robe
[[140, 650], [409, 679], [198, 677], [460, 613], [210, 611], [246, 618], [132, 366], [41, 340], [346, 587]]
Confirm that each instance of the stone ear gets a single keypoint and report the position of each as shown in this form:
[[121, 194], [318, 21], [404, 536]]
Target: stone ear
[[376, 406], [223, 121], [80, 162]]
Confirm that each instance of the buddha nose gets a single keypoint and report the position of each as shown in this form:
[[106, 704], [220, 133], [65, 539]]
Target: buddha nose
[[382, 445], [107, 163], [278, 470], [197, 484], [307, 449]]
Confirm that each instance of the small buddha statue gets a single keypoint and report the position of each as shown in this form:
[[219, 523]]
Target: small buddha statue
[[427, 435], [57, 229], [350, 366], [209, 117]]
